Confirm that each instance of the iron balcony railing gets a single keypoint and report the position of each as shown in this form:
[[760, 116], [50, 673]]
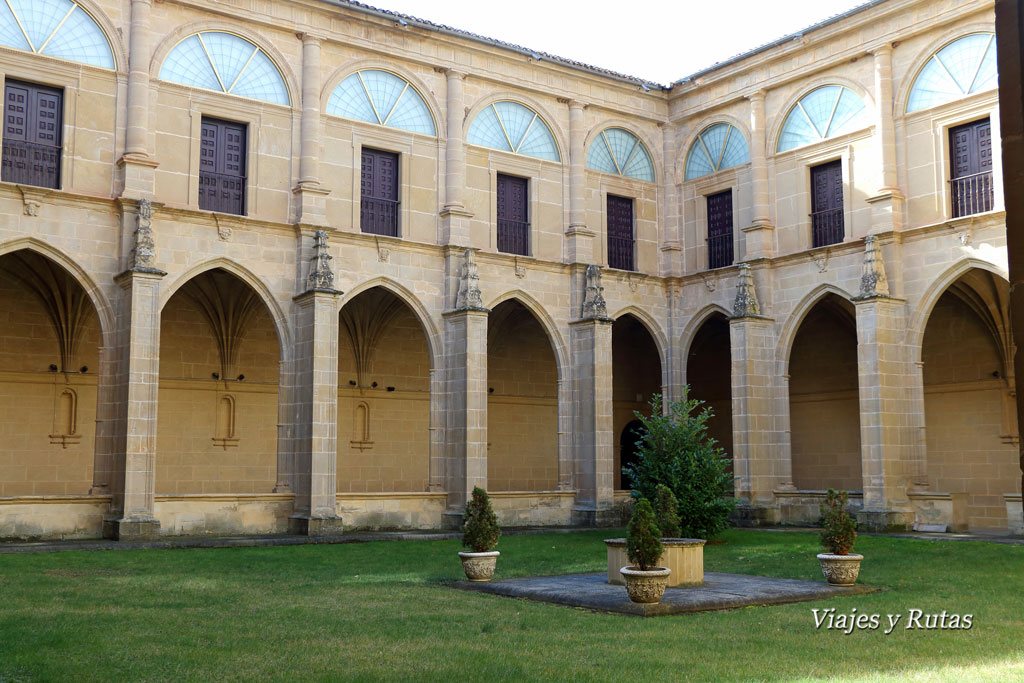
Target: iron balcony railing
[[827, 227], [513, 237], [720, 252], [620, 253], [30, 163], [972, 194], [379, 216], [222, 192]]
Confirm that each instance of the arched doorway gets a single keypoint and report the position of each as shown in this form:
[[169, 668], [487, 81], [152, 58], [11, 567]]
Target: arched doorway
[[709, 375], [383, 396], [522, 402], [49, 346], [636, 378], [218, 397], [824, 406], [970, 412]]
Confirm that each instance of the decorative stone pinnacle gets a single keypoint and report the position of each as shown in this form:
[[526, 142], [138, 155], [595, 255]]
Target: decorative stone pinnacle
[[145, 248], [873, 281], [594, 305], [320, 274], [468, 296], [745, 304]]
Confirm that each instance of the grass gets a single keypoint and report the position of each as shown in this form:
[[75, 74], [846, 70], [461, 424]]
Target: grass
[[382, 610]]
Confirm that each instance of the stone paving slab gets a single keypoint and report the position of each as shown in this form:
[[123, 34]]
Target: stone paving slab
[[720, 591]]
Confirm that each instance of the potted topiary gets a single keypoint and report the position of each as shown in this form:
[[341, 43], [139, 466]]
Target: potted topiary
[[839, 529], [480, 533], [645, 583]]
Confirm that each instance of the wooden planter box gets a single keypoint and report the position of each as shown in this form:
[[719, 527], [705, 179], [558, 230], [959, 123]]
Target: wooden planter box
[[684, 556]]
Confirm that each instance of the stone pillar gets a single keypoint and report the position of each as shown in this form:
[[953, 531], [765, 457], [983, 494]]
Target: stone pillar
[[758, 241], [136, 164], [286, 409], [316, 396], [106, 415], [887, 204], [579, 238], [436, 473], [591, 347], [311, 197], [454, 216], [887, 419], [565, 415], [137, 358], [756, 464], [671, 216]]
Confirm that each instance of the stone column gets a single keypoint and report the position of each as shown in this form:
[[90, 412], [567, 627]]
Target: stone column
[[454, 216], [465, 334], [887, 204], [591, 347], [436, 473], [758, 238], [757, 466], [671, 216], [137, 358], [565, 419], [311, 197], [887, 419], [316, 395], [136, 164], [579, 238], [285, 427]]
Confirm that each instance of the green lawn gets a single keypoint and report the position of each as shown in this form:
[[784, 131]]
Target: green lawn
[[382, 610]]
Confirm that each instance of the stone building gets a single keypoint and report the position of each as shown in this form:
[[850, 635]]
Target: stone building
[[287, 264]]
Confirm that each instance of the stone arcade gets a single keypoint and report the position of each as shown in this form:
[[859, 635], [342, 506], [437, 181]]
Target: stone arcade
[[291, 264]]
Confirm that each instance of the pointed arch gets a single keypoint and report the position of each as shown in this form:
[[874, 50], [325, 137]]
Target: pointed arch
[[546, 322], [697, 321], [284, 336], [407, 297], [653, 328], [796, 318]]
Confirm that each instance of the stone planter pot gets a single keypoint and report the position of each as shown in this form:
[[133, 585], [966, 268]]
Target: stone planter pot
[[645, 587], [684, 556], [479, 566], [840, 570]]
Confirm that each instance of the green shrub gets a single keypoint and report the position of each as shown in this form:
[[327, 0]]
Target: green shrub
[[643, 537], [666, 510], [675, 450], [839, 528], [480, 530]]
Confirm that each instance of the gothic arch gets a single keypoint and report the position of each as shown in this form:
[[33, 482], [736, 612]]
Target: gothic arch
[[404, 295], [546, 322], [796, 318], [653, 328], [697, 321], [556, 131], [775, 128]]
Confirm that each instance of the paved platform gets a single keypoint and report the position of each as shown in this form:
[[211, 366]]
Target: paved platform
[[720, 591]]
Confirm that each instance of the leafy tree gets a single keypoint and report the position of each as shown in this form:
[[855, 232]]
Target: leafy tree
[[675, 450], [666, 509], [480, 530], [643, 537], [839, 529]]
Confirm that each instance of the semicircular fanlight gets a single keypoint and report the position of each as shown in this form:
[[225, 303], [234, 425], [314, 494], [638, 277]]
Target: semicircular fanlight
[[383, 98], [58, 28], [961, 68], [616, 150], [823, 113], [511, 127], [717, 147], [215, 60]]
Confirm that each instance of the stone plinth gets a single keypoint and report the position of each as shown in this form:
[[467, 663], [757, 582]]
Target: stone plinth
[[937, 511], [1014, 514], [684, 556]]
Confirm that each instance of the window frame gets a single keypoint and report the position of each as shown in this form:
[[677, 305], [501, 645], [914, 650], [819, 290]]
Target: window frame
[[732, 191], [208, 106], [844, 202], [245, 178], [607, 234], [948, 157], [530, 185], [62, 93]]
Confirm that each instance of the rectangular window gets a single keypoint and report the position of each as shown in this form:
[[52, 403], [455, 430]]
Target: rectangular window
[[378, 209], [32, 134], [620, 232], [970, 150], [513, 216], [827, 204], [720, 244], [222, 167]]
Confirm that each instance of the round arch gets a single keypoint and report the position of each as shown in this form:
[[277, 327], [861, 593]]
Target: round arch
[[796, 318], [415, 305], [546, 322], [526, 101], [902, 92], [775, 129], [117, 47], [679, 162], [284, 337], [179, 34], [656, 157]]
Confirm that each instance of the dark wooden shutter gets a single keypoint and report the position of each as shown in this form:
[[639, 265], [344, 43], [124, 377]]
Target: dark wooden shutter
[[827, 203], [378, 209], [720, 242], [970, 148], [32, 134], [620, 232], [222, 166], [513, 217]]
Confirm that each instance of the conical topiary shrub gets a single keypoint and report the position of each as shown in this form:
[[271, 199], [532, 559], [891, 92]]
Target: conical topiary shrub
[[480, 530], [643, 537], [666, 511]]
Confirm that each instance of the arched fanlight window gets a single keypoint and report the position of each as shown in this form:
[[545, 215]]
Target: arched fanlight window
[[618, 151], [383, 98], [823, 113], [215, 60], [962, 68], [511, 127], [58, 28], [717, 147]]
